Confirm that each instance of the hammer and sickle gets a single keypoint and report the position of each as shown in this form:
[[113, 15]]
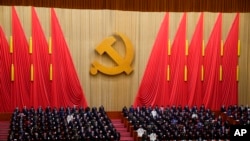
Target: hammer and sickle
[[123, 63]]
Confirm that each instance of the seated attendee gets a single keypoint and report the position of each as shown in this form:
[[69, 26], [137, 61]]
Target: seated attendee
[[125, 111], [144, 136], [47, 109], [69, 118], [131, 109], [152, 137], [101, 109], [223, 109], [140, 132], [154, 113], [186, 108], [194, 115], [137, 109], [39, 109], [202, 108]]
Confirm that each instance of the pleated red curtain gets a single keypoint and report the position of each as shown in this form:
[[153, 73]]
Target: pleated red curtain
[[45, 75], [20, 86], [65, 85], [5, 69], [195, 64], [195, 74], [212, 63], [154, 85], [40, 59], [178, 61], [38, 74], [229, 64]]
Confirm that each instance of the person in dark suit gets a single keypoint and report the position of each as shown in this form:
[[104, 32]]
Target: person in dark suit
[[223, 109]]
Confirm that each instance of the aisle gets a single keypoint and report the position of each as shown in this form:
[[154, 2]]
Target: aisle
[[125, 135], [4, 130]]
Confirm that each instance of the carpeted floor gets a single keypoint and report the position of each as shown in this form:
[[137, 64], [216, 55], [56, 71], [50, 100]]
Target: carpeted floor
[[4, 130], [125, 135]]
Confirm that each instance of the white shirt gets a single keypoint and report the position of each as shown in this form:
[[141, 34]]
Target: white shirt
[[194, 116], [152, 137], [154, 113], [69, 118], [140, 132]]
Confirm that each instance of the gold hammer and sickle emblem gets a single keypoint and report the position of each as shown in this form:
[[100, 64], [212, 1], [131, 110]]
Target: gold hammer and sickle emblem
[[123, 63]]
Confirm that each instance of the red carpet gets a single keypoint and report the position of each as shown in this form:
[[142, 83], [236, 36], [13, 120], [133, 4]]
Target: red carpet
[[4, 130], [125, 135]]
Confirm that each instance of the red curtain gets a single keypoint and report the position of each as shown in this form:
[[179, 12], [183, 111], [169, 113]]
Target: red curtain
[[178, 86], [229, 64], [166, 80], [198, 74], [154, 86], [212, 62], [66, 88], [5, 67], [195, 62], [20, 90], [41, 88], [32, 80]]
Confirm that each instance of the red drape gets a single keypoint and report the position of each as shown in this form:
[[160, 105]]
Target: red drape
[[29, 81], [178, 87], [66, 88], [21, 60], [210, 77], [212, 62], [63, 87], [229, 64], [154, 86], [195, 62], [5, 67], [40, 90]]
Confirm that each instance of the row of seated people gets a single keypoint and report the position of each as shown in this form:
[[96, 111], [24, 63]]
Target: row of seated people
[[240, 113], [177, 123], [64, 123]]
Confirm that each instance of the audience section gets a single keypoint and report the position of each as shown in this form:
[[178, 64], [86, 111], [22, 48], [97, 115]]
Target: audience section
[[64, 123], [154, 123], [183, 123]]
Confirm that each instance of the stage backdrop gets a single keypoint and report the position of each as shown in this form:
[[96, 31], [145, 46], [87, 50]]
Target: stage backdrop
[[85, 29]]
